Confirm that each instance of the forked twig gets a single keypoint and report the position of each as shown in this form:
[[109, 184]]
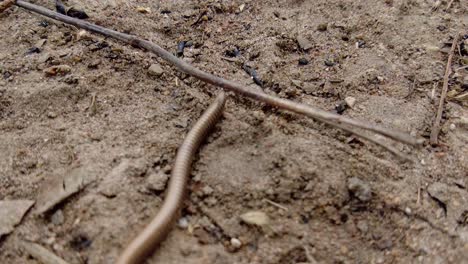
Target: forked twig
[[320, 115], [436, 126]]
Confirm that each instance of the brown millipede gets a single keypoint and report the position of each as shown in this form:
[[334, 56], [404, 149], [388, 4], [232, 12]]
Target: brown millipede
[[156, 231]]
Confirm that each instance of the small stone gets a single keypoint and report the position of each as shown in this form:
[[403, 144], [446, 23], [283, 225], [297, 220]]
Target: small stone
[[155, 70], [453, 127], [255, 218], [156, 181], [182, 223], [341, 107], [384, 244], [350, 101], [43, 58], [57, 70], [360, 189], [322, 27], [236, 243], [51, 115], [329, 62], [57, 218], [304, 43], [303, 61]]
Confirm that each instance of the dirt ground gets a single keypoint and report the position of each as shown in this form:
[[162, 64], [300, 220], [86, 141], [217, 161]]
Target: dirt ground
[[114, 128]]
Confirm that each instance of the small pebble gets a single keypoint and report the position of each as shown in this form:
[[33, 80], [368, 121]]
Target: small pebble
[[236, 243], [183, 223], [329, 62], [453, 127], [341, 107], [57, 70], [51, 115], [408, 210], [155, 70], [303, 61], [350, 101], [360, 189], [304, 43], [57, 218]]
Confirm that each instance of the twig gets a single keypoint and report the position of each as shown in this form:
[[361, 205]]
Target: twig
[[276, 204], [376, 141], [321, 115], [40, 253], [436, 126], [449, 5]]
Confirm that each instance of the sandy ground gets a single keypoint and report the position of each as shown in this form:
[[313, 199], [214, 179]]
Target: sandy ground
[[116, 128]]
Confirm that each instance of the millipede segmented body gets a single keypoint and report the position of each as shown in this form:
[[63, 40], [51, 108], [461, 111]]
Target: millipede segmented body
[[156, 231]]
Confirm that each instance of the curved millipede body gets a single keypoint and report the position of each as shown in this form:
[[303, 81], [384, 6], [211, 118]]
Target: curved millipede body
[[153, 234]]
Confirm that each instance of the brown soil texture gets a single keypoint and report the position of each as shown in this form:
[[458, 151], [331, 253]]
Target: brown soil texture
[[116, 128]]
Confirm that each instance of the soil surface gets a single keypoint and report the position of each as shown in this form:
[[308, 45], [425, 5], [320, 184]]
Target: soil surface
[[104, 130]]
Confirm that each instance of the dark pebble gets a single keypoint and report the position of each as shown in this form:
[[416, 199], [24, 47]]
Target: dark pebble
[[60, 7], [44, 23], [180, 48], [441, 27], [6, 75], [165, 11], [303, 61], [77, 13], [361, 44], [341, 107], [234, 52], [80, 242], [33, 50], [329, 63]]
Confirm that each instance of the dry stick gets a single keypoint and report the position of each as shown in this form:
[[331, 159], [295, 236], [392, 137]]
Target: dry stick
[[376, 141], [436, 127], [449, 5], [329, 118]]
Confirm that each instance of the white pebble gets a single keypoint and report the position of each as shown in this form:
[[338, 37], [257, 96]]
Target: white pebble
[[182, 223], [236, 243], [408, 210], [453, 127]]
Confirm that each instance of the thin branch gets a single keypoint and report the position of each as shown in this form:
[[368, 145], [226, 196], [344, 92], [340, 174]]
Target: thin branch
[[321, 115], [449, 5], [376, 141], [436, 126]]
